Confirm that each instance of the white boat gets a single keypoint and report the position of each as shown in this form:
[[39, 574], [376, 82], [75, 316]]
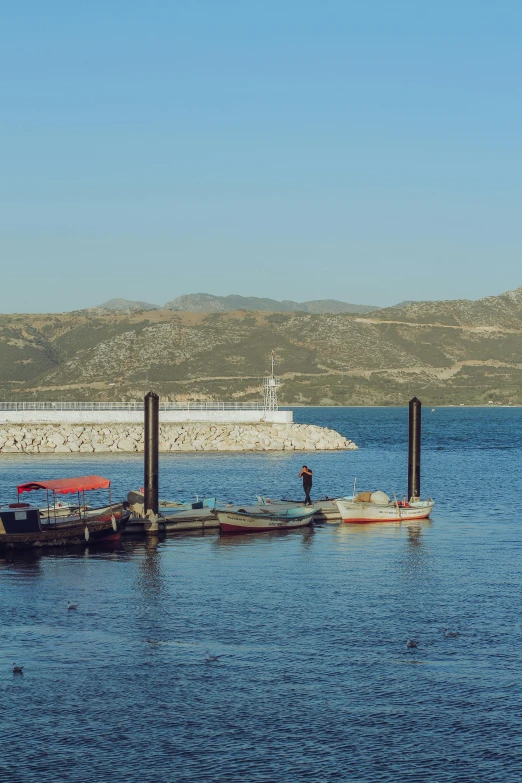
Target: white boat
[[62, 510], [255, 519], [378, 507]]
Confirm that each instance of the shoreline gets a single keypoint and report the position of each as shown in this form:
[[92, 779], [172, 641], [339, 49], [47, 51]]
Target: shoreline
[[386, 407]]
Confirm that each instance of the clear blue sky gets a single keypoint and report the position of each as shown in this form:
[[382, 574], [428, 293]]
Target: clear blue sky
[[365, 151]]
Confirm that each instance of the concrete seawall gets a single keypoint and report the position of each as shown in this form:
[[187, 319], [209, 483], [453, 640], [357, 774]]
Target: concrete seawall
[[113, 416], [195, 436]]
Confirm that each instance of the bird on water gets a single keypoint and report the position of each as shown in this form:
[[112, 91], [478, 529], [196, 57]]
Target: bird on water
[[17, 669], [72, 606], [450, 634], [209, 658], [411, 644]]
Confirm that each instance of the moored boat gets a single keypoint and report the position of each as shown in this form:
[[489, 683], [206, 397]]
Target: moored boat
[[23, 526], [325, 509], [136, 501], [173, 506], [256, 519], [378, 507]]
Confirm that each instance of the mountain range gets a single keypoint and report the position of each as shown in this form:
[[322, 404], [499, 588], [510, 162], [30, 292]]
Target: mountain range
[[445, 352], [208, 303]]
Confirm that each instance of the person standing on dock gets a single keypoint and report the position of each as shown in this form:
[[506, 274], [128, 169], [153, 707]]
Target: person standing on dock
[[306, 473]]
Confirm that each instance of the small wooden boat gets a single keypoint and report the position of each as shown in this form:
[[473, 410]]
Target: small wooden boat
[[178, 522], [173, 505], [325, 509], [256, 519], [136, 501], [378, 507], [23, 526]]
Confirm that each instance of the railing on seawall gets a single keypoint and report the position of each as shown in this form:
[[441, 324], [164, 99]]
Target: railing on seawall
[[130, 406]]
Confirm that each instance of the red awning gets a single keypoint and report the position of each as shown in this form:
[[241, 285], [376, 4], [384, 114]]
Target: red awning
[[64, 486]]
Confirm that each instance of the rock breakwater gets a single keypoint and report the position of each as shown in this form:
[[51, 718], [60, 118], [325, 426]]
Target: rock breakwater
[[63, 438]]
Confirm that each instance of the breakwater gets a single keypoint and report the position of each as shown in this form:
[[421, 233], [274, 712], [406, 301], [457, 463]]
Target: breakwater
[[193, 436]]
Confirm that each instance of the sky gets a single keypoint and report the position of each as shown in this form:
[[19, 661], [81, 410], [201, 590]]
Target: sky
[[296, 149]]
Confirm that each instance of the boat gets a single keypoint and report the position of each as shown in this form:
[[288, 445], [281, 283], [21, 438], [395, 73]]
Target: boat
[[23, 526], [379, 507], [325, 509], [174, 505], [137, 502], [62, 510], [256, 519]]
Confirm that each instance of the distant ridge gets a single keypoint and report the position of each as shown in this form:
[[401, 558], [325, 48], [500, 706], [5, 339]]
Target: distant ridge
[[124, 306], [208, 303], [502, 310]]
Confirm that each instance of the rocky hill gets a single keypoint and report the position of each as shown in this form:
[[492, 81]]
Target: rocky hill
[[504, 310], [445, 352]]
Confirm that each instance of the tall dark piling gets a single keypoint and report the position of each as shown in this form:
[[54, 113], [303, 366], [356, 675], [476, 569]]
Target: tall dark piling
[[151, 437], [414, 448]]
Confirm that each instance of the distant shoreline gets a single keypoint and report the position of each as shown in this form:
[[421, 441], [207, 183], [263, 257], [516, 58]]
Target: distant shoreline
[[425, 405]]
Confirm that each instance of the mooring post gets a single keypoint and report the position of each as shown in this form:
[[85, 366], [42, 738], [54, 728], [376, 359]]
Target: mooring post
[[414, 448], [151, 438]]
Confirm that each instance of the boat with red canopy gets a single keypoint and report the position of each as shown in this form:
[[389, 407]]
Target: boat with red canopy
[[23, 525]]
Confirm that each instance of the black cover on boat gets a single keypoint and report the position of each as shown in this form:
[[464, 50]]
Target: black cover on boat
[[21, 521]]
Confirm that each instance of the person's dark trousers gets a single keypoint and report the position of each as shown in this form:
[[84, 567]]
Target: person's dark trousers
[[307, 488]]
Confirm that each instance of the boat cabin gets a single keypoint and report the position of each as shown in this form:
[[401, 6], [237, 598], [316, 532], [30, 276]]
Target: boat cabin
[[19, 518]]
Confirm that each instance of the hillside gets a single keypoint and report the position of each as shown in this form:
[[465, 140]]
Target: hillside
[[504, 310], [445, 352]]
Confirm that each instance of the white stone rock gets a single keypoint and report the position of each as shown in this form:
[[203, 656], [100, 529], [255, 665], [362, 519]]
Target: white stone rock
[[56, 438], [126, 445]]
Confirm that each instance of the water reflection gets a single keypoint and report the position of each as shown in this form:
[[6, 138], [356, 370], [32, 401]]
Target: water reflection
[[150, 582], [23, 562], [414, 534], [369, 531], [233, 540], [372, 530]]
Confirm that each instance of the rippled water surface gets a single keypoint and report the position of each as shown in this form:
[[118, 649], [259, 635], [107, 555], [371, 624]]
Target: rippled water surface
[[316, 682]]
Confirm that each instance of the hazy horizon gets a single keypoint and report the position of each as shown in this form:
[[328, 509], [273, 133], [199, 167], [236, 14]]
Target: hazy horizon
[[162, 303]]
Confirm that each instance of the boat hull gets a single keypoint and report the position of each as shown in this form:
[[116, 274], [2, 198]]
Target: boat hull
[[92, 530], [238, 522], [353, 511]]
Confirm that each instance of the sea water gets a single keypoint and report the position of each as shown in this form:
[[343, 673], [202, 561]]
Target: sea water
[[316, 682]]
